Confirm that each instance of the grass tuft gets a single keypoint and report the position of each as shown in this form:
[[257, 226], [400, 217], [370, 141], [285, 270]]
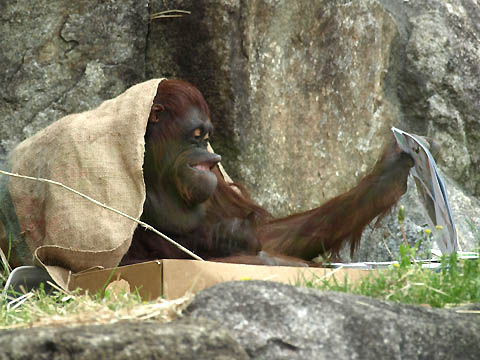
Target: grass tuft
[[455, 282], [37, 308]]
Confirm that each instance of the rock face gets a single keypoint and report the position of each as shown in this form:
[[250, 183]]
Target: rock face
[[439, 82], [303, 94], [276, 321], [295, 88], [265, 320], [199, 339], [435, 72], [63, 57]]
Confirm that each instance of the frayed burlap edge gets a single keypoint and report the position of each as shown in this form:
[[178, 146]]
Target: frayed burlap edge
[[99, 153]]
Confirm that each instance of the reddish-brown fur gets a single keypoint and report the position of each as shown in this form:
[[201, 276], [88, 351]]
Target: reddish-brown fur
[[326, 229], [262, 239]]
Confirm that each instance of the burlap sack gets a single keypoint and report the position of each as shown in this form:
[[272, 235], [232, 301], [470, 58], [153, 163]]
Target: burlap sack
[[99, 153]]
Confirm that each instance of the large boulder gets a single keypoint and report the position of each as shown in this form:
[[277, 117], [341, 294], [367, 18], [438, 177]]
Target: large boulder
[[265, 320], [435, 69], [198, 339], [295, 89], [303, 94], [437, 57], [61, 57], [277, 321]]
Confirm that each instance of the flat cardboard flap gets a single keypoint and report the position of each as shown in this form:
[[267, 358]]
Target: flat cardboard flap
[[145, 277], [173, 278]]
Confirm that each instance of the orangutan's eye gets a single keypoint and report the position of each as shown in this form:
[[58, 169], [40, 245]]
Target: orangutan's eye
[[197, 133]]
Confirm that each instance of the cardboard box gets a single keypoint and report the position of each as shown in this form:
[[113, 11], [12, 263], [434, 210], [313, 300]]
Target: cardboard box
[[173, 278]]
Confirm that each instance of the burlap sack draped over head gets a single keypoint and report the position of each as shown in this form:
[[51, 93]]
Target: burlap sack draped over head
[[98, 153]]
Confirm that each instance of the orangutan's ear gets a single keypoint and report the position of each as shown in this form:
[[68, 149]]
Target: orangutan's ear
[[156, 108]]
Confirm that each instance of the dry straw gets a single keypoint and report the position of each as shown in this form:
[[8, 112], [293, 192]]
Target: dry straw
[[85, 310]]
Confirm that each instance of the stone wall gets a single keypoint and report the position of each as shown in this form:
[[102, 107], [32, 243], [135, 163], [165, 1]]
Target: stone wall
[[302, 94]]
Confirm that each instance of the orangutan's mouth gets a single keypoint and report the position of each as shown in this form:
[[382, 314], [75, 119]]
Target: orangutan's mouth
[[205, 166]]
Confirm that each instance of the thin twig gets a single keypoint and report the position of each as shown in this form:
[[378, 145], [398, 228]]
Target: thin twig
[[58, 288], [15, 303], [431, 288], [330, 274], [388, 249], [145, 225], [468, 311], [5, 263], [169, 14]]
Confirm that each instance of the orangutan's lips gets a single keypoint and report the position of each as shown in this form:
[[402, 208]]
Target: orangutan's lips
[[203, 166]]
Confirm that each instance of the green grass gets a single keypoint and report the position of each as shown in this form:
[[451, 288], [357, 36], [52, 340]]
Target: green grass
[[61, 308], [39, 307], [454, 282]]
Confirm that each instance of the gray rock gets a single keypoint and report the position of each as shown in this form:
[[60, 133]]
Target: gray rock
[[265, 320], [63, 57], [303, 95], [438, 79], [434, 76], [197, 339], [295, 89], [276, 321]]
